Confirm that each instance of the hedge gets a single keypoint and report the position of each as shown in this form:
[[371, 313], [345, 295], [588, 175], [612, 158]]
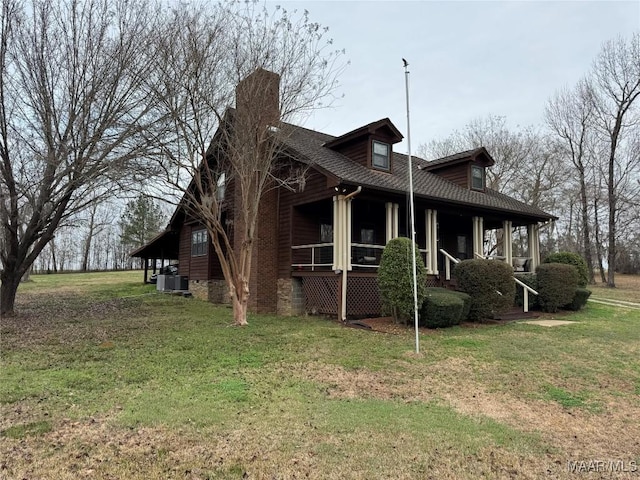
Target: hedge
[[570, 258], [557, 284], [490, 285], [395, 279], [441, 308], [579, 299]]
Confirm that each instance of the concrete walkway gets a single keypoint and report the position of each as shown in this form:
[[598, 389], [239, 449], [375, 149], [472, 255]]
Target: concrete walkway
[[615, 303], [548, 323]]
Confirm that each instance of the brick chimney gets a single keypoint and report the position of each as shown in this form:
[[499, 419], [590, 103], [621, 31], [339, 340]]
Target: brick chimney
[[258, 95]]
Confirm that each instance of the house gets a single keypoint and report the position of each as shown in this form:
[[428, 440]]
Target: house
[[318, 247]]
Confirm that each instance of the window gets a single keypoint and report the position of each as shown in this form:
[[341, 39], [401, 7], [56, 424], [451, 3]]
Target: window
[[199, 243], [326, 233], [221, 186], [367, 235], [381, 155], [477, 177]]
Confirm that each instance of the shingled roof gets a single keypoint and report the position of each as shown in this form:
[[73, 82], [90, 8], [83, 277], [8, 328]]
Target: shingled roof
[[309, 146], [458, 158]]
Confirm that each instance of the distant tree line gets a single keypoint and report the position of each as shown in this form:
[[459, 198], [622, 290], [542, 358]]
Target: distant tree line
[[102, 237]]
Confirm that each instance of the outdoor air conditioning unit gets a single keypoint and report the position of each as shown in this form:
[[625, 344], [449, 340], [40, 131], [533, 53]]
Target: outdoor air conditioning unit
[[165, 283]]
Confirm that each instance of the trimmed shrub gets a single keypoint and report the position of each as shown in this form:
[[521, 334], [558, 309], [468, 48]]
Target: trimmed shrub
[[557, 284], [395, 279], [490, 285], [574, 259], [441, 308], [579, 299], [530, 279]]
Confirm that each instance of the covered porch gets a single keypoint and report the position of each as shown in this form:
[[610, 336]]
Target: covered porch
[[163, 248], [351, 233], [337, 245]]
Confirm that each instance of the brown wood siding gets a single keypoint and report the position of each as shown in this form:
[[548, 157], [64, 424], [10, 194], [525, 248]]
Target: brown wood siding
[[358, 151], [184, 253], [458, 174], [196, 268]]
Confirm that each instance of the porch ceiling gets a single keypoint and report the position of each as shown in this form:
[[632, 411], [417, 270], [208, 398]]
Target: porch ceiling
[[164, 245]]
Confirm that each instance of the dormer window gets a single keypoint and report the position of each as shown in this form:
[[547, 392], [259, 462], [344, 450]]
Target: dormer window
[[381, 156], [477, 177]]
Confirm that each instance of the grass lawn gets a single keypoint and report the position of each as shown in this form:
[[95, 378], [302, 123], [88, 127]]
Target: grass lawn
[[100, 377]]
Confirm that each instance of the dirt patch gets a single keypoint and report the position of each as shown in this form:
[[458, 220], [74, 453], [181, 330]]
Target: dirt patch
[[53, 318]]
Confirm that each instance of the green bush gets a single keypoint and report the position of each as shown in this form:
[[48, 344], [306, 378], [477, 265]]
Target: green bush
[[466, 299], [530, 279], [395, 279], [441, 308], [579, 299], [574, 259], [557, 284], [490, 285]]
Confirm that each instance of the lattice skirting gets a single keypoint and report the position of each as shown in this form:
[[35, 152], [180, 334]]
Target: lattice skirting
[[322, 295], [363, 297]]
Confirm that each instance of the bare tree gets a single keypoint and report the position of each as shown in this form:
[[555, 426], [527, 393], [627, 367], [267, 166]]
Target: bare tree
[[569, 115], [73, 117], [203, 56], [616, 81], [95, 220]]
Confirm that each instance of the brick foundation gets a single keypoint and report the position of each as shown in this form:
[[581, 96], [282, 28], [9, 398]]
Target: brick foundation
[[290, 297]]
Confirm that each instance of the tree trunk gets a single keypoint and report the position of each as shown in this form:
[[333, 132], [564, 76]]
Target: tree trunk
[[586, 230], [8, 290], [613, 210], [239, 301]]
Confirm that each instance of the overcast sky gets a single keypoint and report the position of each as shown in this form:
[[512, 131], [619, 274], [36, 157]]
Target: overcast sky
[[467, 59]]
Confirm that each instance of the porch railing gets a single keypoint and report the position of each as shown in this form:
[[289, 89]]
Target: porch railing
[[320, 255], [448, 258], [367, 255], [316, 255]]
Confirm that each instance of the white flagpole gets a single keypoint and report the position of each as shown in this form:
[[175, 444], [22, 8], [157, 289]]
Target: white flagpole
[[412, 213]]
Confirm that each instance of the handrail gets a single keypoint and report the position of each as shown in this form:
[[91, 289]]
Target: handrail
[[526, 289], [447, 263]]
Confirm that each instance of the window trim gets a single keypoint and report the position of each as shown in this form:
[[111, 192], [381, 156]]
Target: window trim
[[478, 168], [199, 242], [384, 168]]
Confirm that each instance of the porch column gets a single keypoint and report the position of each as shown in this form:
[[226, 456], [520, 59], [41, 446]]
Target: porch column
[[507, 242], [392, 220], [478, 236], [431, 223], [338, 229], [533, 239], [396, 209]]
